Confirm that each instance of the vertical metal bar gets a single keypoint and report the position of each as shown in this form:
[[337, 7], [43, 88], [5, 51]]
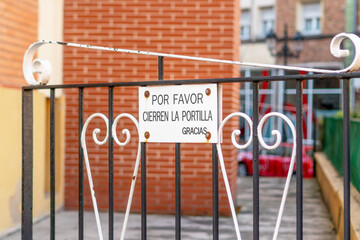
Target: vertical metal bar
[[256, 205], [177, 192], [160, 68], [314, 134], [81, 165], [247, 105], [285, 49], [247, 99], [143, 192], [27, 165], [299, 165], [52, 163], [281, 100], [215, 189], [346, 147], [111, 165], [310, 113]]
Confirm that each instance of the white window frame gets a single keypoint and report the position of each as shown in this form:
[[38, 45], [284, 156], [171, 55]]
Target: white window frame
[[310, 17], [267, 21], [245, 24]]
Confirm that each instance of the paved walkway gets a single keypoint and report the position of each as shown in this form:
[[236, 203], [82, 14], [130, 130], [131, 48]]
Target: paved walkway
[[317, 225]]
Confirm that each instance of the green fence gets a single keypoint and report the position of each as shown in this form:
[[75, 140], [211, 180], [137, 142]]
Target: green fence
[[333, 146]]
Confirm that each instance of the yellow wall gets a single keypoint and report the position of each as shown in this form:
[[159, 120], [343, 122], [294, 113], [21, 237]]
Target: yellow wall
[[10, 157]]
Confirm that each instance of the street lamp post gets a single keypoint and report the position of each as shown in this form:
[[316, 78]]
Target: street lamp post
[[285, 50]]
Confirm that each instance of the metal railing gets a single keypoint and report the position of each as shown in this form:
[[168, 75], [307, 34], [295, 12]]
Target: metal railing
[[256, 139]]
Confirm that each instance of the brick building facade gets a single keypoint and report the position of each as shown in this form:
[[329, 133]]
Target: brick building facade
[[19, 24], [206, 28], [316, 48]]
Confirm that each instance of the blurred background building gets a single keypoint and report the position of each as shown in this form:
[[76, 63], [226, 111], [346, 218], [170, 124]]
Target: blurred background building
[[296, 33]]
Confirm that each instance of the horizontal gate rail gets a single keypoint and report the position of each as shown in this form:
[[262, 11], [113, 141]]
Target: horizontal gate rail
[[320, 77], [255, 124]]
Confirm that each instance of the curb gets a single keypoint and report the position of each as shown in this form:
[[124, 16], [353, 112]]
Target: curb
[[331, 184]]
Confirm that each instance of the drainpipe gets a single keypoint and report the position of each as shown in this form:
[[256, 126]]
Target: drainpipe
[[355, 17], [354, 30], [351, 26]]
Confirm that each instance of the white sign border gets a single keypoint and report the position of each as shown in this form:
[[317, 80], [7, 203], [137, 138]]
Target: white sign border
[[213, 104]]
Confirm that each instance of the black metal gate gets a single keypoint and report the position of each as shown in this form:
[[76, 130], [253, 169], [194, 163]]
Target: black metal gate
[[27, 151], [27, 174]]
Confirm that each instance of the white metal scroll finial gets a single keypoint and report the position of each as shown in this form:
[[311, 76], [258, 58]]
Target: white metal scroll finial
[[45, 70], [39, 66], [336, 51]]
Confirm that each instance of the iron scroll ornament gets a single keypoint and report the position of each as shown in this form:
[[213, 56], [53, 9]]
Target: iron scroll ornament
[[292, 161], [136, 167], [43, 67], [222, 163], [277, 135], [235, 133], [87, 163], [88, 169]]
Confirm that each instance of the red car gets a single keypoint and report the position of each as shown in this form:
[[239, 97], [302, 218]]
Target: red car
[[273, 162]]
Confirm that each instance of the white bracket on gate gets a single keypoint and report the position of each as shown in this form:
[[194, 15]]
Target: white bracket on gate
[[235, 133], [262, 142], [96, 131]]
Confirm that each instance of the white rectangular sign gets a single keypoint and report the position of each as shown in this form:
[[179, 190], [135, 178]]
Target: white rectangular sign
[[180, 113]]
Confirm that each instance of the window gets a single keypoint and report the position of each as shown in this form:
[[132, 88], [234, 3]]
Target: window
[[266, 21], [311, 17], [245, 25]]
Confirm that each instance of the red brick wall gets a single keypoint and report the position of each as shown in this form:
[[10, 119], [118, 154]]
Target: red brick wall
[[18, 29], [206, 28], [314, 50]]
